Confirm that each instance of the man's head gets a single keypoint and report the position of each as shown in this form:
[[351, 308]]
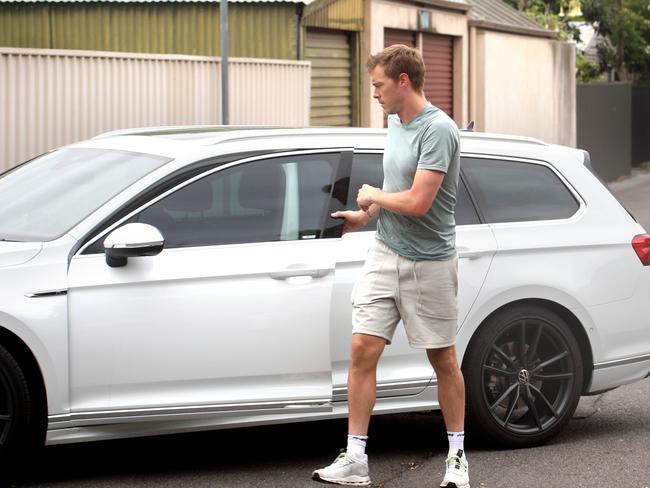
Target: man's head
[[396, 72]]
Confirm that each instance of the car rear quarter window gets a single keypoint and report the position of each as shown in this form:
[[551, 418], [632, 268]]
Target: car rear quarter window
[[515, 191]]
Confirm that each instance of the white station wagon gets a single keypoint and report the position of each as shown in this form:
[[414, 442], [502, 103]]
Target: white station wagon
[[181, 279]]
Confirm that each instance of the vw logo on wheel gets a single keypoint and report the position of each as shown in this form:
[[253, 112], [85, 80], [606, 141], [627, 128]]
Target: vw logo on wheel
[[524, 376]]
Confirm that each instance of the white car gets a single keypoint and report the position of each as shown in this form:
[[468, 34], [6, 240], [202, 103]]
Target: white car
[[181, 279]]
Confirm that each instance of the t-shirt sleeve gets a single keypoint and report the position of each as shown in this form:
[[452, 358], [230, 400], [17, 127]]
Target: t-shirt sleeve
[[438, 145]]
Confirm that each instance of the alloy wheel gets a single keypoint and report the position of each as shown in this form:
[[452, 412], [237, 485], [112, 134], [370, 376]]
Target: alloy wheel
[[528, 376]]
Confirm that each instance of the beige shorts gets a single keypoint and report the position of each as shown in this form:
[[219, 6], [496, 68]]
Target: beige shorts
[[421, 293]]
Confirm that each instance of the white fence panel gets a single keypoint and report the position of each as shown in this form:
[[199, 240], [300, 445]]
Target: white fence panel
[[273, 92], [49, 98]]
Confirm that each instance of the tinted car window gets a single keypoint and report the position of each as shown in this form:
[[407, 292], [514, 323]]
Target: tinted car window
[[269, 200], [465, 213], [366, 169], [510, 191]]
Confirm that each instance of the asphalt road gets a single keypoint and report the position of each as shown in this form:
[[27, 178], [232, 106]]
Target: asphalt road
[[605, 445]]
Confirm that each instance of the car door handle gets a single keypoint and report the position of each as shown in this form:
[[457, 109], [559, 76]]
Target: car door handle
[[467, 253], [291, 273]]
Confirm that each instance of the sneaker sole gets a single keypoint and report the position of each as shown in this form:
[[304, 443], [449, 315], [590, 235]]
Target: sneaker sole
[[350, 481], [454, 485]]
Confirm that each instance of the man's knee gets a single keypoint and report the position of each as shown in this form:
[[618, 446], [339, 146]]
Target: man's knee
[[444, 361], [366, 350]]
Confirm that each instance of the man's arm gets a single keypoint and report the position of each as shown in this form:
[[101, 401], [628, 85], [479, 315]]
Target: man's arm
[[415, 201]]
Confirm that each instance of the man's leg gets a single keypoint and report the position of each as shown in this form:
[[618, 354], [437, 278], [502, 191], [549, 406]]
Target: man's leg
[[362, 381], [351, 466], [451, 396], [451, 386], [374, 318]]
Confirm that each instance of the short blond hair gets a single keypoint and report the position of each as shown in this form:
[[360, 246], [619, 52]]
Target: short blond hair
[[398, 59]]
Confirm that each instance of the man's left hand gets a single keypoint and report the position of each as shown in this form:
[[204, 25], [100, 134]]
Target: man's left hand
[[365, 196]]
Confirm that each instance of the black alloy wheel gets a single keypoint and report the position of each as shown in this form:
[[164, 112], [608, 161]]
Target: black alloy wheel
[[6, 407], [15, 411], [524, 376]]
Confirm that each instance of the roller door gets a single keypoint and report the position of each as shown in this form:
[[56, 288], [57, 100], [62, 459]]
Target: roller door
[[396, 36], [331, 77], [438, 54]]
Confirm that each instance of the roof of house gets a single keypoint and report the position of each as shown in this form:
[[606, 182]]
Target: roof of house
[[487, 14], [498, 15], [157, 1]]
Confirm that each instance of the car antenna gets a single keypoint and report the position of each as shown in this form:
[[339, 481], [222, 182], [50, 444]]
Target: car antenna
[[469, 127]]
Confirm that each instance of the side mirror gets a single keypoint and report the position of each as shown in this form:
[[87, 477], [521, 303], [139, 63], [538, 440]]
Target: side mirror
[[132, 240]]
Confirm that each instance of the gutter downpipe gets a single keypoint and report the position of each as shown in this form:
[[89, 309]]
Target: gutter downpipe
[[223, 15]]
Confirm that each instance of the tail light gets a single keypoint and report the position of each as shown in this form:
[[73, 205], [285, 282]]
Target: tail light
[[641, 245]]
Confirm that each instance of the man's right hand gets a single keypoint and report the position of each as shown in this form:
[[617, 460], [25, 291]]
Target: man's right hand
[[354, 219]]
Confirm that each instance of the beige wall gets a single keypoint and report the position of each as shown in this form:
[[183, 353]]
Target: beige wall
[[381, 14], [523, 85], [54, 97]]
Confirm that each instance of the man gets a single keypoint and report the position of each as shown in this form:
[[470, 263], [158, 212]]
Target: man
[[411, 272]]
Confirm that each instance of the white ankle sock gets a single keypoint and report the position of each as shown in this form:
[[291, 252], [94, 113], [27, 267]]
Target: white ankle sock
[[456, 442], [357, 446]]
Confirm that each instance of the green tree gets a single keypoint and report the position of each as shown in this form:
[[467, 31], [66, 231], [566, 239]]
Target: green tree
[[626, 23], [548, 13], [586, 72]]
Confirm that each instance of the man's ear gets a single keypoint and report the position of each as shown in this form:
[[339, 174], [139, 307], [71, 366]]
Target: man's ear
[[404, 80]]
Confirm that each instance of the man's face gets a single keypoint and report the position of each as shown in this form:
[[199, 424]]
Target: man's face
[[386, 91]]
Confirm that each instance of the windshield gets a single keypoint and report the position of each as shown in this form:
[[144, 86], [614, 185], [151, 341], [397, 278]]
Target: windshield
[[44, 198]]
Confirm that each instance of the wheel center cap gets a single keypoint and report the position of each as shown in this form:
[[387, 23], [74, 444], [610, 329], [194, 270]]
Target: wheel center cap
[[523, 376]]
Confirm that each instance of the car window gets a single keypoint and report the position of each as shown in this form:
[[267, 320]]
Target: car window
[[367, 168], [46, 197], [465, 213], [513, 191], [274, 199]]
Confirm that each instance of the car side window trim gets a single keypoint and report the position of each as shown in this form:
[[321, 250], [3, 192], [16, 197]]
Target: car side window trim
[[106, 229], [362, 152], [330, 227]]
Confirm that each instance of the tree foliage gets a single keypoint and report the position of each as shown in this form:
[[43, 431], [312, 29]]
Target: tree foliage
[[626, 23]]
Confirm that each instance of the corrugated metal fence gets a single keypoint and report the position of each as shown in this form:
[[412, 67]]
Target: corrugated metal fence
[[49, 98]]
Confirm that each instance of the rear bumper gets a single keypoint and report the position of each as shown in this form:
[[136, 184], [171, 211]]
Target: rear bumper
[[610, 374]]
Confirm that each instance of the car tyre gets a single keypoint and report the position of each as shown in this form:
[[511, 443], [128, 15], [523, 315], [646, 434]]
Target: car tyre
[[523, 371], [18, 430]]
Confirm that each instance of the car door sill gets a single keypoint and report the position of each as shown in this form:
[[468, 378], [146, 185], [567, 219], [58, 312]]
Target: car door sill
[[388, 389], [88, 418]]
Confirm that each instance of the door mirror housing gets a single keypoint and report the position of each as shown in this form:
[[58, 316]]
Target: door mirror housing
[[132, 240]]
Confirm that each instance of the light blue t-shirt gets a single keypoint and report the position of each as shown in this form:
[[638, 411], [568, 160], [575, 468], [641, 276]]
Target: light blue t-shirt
[[430, 141]]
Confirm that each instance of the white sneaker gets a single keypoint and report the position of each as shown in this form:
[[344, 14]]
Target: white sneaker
[[457, 475], [345, 470]]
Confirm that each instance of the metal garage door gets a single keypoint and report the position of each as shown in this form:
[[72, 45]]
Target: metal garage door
[[331, 77], [438, 55], [395, 36]]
